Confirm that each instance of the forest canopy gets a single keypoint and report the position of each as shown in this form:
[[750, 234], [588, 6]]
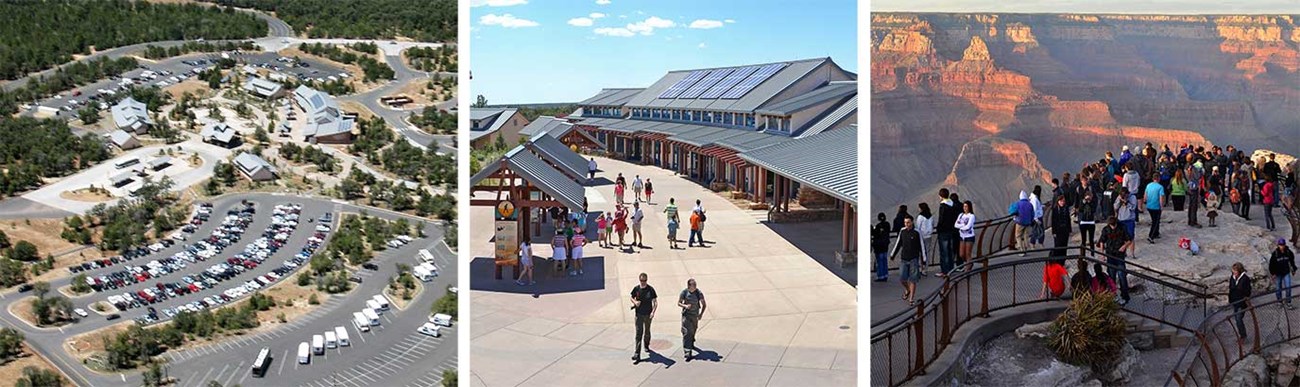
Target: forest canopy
[[72, 27], [427, 21]]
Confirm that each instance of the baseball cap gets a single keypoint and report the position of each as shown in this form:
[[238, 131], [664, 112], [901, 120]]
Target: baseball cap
[[1281, 241]]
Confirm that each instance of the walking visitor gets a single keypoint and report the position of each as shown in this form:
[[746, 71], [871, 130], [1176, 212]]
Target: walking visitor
[[692, 303], [1088, 215], [559, 251], [1126, 214], [880, 247], [579, 240], [591, 169], [1115, 241], [620, 223], [674, 222], [1061, 228], [1239, 297], [601, 235], [1281, 266], [1155, 201], [637, 216], [1024, 222], [637, 187], [924, 226], [649, 191], [695, 229], [909, 244], [645, 302], [1270, 199]]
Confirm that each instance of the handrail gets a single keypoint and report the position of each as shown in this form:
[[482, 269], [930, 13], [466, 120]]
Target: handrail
[[925, 334], [1208, 329], [1204, 289]]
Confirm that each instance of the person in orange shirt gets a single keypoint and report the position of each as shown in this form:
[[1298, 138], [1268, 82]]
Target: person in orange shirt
[[695, 229]]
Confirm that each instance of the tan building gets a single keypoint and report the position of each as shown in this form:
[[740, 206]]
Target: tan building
[[488, 123]]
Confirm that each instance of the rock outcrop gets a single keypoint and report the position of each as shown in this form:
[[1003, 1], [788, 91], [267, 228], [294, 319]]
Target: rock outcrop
[[1071, 87]]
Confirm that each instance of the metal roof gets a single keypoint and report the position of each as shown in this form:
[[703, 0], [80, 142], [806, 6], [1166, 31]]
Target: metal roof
[[219, 131], [120, 137], [251, 163], [559, 154], [540, 174], [121, 177], [749, 141], [129, 113], [827, 162], [164, 160], [831, 92], [497, 116], [481, 113], [542, 124], [262, 87], [612, 97], [759, 95], [320, 107], [329, 128], [738, 139], [833, 118], [706, 135]]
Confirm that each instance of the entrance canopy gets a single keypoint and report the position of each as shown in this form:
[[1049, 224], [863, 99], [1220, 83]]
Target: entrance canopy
[[559, 154], [536, 172]]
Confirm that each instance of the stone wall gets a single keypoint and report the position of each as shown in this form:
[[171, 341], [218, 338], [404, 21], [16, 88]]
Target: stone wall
[[819, 215], [812, 198]]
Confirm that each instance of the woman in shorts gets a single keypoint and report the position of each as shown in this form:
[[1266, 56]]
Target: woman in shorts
[[672, 233], [525, 264], [601, 236], [618, 193], [966, 230], [649, 190], [559, 250], [576, 244]]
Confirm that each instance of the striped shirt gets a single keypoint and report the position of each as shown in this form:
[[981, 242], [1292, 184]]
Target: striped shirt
[[671, 210]]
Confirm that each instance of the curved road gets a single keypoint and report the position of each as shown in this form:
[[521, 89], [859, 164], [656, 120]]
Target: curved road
[[199, 365]]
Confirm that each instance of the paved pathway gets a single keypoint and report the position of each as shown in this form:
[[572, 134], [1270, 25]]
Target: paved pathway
[[775, 316]]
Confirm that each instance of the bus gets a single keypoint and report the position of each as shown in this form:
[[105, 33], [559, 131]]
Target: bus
[[361, 322], [262, 362], [126, 163]]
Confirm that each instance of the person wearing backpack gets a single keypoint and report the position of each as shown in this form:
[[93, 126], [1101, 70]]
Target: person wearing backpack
[[1024, 222]]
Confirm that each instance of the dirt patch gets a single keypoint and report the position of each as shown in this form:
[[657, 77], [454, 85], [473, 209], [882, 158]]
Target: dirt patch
[[285, 292], [23, 310], [396, 296], [44, 233], [86, 344], [13, 370], [192, 85], [361, 110], [86, 195]]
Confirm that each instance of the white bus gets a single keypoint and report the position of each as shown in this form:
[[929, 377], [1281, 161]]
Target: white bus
[[331, 341], [126, 163], [381, 300], [342, 334], [371, 315], [304, 354], [360, 321], [259, 365], [318, 344], [425, 255], [374, 305]]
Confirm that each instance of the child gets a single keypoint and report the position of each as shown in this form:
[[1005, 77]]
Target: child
[[600, 229], [1212, 205], [609, 230]]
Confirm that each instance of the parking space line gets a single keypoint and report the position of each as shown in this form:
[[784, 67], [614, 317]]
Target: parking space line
[[241, 379], [233, 373], [284, 358], [223, 370]]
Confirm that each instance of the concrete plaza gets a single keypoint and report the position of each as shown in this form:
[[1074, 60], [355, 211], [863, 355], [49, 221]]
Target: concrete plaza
[[775, 315]]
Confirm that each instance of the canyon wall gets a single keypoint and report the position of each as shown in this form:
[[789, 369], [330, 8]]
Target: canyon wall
[[992, 99]]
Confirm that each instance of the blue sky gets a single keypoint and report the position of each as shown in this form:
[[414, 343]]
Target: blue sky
[[1092, 6], [532, 51]]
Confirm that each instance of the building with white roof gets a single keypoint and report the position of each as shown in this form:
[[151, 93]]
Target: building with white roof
[[123, 140], [263, 88], [132, 116], [254, 167], [485, 124], [325, 123], [220, 133]]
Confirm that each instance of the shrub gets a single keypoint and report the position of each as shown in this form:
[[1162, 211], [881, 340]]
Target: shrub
[[1089, 332]]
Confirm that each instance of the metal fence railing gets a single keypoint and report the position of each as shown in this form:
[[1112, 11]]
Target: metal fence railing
[[1216, 347], [902, 348]]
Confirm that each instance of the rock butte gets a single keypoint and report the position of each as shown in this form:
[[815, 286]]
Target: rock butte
[[1067, 88]]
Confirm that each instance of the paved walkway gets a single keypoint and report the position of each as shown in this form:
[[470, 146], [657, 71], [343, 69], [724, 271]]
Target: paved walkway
[[775, 315]]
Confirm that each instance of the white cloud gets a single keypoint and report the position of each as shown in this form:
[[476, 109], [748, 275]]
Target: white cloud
[[580, 22], [618, 31], [602, 2], [506, 20], [730, 20], [702, 45], [705, 24], [496, 3], [596, 15], [648, 26], [622, 16]]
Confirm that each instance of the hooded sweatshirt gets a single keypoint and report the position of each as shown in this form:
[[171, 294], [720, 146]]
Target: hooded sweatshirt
[[1024, 210]]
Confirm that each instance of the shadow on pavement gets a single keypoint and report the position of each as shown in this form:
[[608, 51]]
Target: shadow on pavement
[[819, 240], [549, 281], [705, 355], [600, 181], [656, 358]]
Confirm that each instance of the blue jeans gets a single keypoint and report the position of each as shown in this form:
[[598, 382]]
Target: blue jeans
[[1283, 282], [1268, 217], [947, 250], [694, 235], [1119, 274], [882, 265]]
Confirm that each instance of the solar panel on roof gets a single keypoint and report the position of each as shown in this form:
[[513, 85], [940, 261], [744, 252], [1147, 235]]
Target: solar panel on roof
[[753, 81], [732, 79], [677, 88], [704, 84]]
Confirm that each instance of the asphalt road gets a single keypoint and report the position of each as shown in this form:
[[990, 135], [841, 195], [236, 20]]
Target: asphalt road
[[197, 366]]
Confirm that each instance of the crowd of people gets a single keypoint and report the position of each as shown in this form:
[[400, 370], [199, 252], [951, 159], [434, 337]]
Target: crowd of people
[[1114, 191]]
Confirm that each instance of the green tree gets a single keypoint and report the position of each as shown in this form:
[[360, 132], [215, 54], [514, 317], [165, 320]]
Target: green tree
[[4, 240], [480, 102], [449, 378], [12, 272], [39, 377], [11, 344], [24, 251], [79, 284], [89, 115], [500, 144]]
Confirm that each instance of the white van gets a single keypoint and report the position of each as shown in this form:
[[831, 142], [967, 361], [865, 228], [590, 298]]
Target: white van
[[304, 355], [371, 315], [361, 322], [318, 344], [342, 334], [426, 256], [372, 304], [441, 319], [331, 341], [381, 300]]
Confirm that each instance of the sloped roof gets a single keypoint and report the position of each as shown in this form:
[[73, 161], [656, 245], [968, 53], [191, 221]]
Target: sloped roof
[[120, 137], [612, 97], [834, 171], [320, 107], [542, 124], [551, 149], [539, 173], [768, 88], [251, 163], [834, 118], [262, 87], [219, 131], [130, 113], [495, 117], [121, 177], [834, 91], [158, 161], [329, 128]]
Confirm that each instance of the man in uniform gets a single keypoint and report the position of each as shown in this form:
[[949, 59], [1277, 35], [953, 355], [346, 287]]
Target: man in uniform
[[692, 302]]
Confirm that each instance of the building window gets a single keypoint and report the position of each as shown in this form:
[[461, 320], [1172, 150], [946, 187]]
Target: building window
[[749, 120]]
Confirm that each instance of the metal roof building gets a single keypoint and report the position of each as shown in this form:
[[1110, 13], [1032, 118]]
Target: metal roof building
[[561, 129], [160, 162], [537, 173], [123, 140], [834, 170], [256, 168], [555, 152], [485, 124], [131, 115], [219, 133], [263, 88], [325, 122]]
